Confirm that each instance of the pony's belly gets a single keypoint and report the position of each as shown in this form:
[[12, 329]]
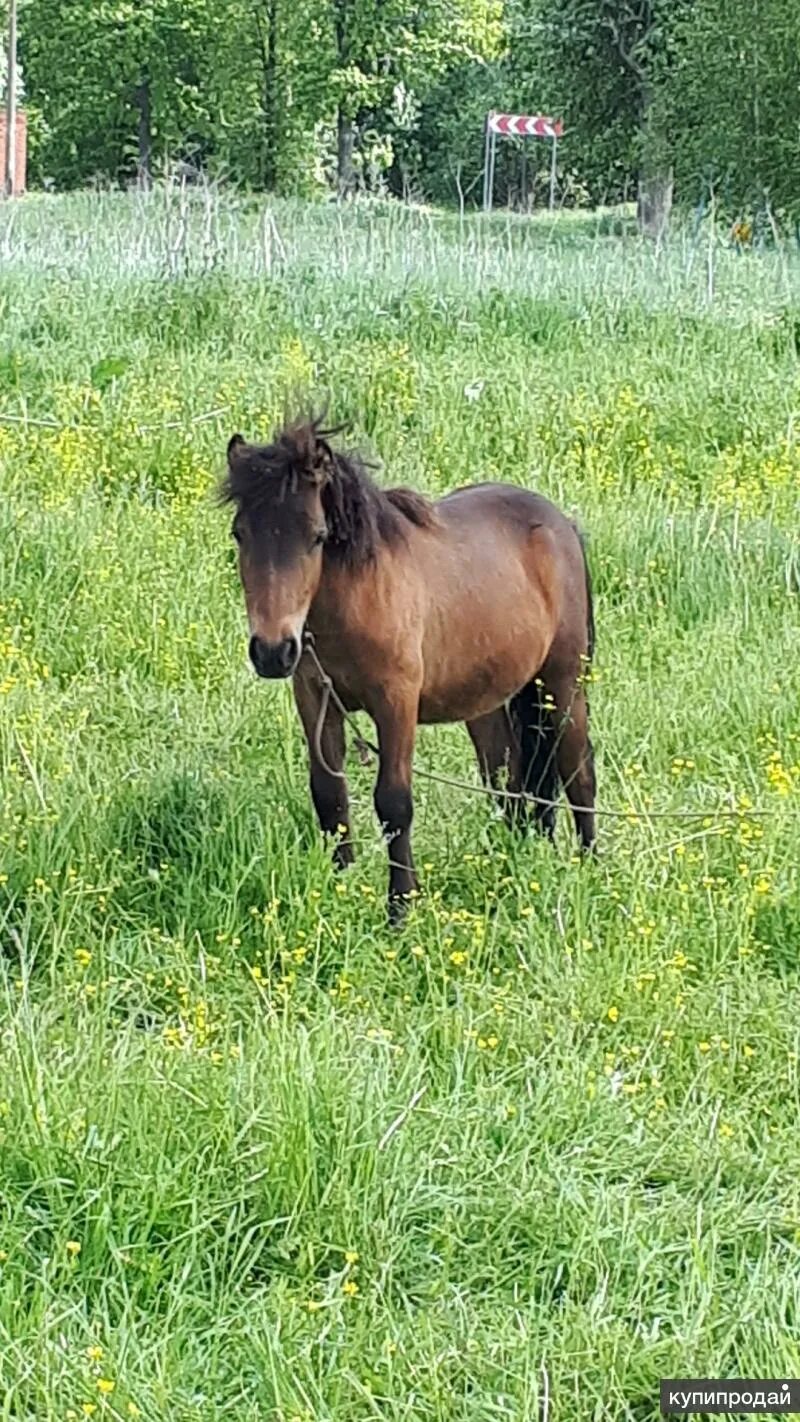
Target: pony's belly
[[482, 691], [479, 667]]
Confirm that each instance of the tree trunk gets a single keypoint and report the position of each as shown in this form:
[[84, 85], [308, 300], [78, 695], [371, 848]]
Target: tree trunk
[[346, 142], [654, 202], [655, 178], [141, 98], [268, 36]]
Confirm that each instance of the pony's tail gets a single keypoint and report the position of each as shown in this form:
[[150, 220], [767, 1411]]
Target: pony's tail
[[590, 630], [536, 732]]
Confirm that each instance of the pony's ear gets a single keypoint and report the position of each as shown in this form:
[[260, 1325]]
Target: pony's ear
[[236, 445], [316, 457], [319, 471]]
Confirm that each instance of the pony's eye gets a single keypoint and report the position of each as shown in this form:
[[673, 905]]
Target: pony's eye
[[319, 538], [236, 535]]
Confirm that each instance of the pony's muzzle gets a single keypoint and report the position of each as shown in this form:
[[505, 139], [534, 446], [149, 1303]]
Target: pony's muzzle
[[275, 660]]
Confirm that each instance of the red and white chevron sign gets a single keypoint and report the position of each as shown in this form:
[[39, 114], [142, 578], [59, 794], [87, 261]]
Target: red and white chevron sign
[[525, 125]]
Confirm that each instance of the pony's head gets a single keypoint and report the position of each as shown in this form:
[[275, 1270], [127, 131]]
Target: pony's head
[[280, 526]]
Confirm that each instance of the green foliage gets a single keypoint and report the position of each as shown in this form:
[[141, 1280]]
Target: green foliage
[[666, 83], [250, 88], [564, 61], [253, 90], [739, 116], [86, 63]]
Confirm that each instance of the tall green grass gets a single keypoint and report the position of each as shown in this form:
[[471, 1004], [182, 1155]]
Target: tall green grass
[[260, 1157]]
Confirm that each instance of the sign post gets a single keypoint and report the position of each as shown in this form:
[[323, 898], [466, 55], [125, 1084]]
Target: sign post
[[553, 157], [518, 126], [11, 102], [488, 140]]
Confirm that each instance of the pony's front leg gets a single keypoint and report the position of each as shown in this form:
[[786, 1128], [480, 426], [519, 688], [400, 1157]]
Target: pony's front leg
[[326, 749], [397, 725]]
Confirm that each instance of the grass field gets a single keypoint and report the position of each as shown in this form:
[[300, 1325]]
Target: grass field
[[259, 1156]]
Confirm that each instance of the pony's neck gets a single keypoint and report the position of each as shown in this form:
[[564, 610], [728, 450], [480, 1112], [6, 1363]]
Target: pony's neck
[[360, 517]]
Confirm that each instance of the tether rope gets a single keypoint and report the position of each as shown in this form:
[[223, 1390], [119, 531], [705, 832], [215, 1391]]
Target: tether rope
[[633, 816]]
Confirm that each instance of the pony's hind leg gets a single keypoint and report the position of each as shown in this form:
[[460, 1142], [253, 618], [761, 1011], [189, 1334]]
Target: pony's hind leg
[[575, 758], [538, 756], [497, 748]]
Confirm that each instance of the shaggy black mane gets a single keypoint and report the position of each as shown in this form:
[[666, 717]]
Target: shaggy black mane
[[360, 516]]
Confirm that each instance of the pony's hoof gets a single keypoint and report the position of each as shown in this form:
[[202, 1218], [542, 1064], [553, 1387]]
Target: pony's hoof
[[399, 905], [343, 855], [398, 908]]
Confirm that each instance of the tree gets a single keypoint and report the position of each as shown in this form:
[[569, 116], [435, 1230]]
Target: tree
[[268, 90], [639, 37], [299, 95], [131, 89], [607, 66], [737, 110], [382, 44]]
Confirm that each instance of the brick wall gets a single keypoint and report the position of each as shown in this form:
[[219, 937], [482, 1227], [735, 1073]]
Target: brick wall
[[20, 157]]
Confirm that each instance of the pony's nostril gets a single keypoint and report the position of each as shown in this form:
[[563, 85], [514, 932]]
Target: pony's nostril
[[257, 650], [289, 652], [274, 659]]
